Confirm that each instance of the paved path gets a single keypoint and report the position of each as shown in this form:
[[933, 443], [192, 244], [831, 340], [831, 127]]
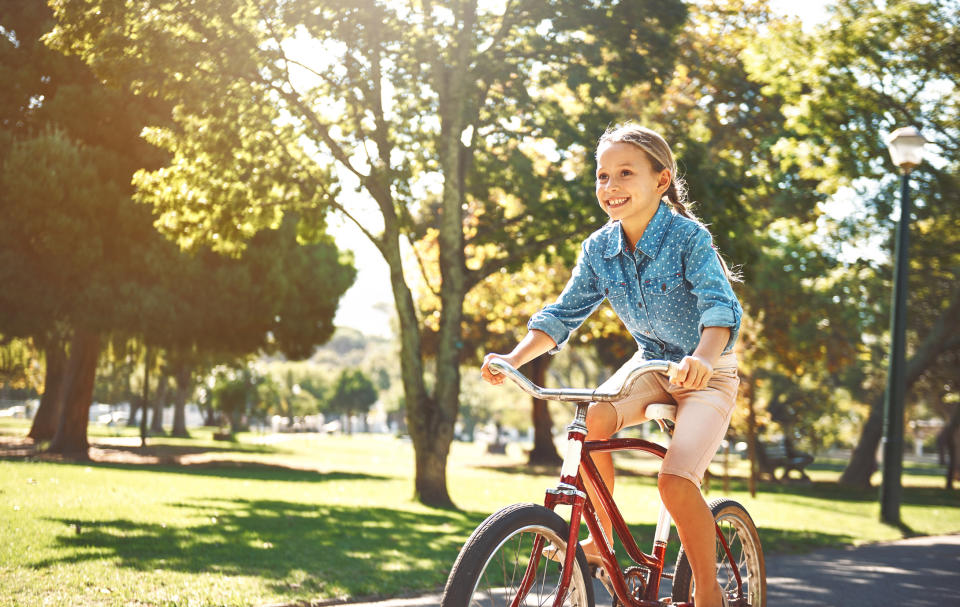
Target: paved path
[[917, 572]]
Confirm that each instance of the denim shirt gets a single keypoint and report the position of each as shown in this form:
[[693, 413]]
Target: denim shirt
[[665, 291]]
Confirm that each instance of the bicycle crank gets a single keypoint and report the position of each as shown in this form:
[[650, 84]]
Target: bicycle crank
[[636, 579]]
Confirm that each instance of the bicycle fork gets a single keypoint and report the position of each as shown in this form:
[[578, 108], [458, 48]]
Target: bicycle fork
[[565, 493]]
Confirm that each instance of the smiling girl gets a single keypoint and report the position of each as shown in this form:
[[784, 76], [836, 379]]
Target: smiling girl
[[656, 265]]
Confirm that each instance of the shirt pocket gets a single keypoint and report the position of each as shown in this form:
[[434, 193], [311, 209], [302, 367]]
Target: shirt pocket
[[662, 285], [614, 291], [617, 294], [662, 294]]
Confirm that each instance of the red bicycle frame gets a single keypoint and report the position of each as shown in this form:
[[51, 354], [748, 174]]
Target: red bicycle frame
[[571, 491]]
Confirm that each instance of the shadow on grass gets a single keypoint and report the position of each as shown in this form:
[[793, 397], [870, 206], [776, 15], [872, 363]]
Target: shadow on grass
[[908, 468], [299, 549], [309, 550], [243, 470], [831, 493], [22, 447]]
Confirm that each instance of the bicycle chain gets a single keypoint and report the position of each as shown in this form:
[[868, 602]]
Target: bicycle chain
[[636, 578]]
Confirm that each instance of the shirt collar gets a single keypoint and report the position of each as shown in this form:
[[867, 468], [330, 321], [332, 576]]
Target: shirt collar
[[652, 237]]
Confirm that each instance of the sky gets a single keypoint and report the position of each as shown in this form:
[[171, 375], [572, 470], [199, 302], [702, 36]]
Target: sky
[[368, 305]]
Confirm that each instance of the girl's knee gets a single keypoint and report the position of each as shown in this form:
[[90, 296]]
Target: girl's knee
[[673, 487], [601, 421]]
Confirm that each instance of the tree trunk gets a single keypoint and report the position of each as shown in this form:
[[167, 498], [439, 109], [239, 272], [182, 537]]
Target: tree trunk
[[183, 378], [134, 400], [948, 441], [544, 450], [71, 436], [430, 482], [863, 460], [160, 401], [942, 336], [47, 418]]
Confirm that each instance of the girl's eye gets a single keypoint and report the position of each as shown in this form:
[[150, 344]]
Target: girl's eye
[[625, 172], [602, 177]]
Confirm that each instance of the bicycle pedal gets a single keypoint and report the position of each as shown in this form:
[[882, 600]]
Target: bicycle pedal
[[599, 573]]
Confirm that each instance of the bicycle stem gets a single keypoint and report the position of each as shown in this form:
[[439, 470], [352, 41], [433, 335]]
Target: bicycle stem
[[576, 434]]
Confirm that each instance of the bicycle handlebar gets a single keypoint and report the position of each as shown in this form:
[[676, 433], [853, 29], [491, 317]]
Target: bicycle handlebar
[[498, 365]]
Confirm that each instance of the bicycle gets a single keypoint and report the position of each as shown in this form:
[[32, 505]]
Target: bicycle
[[503, 562]]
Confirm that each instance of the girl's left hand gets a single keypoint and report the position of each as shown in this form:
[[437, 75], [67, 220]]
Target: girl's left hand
[[693, 373]]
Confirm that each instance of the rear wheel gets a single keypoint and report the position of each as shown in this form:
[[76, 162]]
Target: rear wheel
[[493, 563], [744, 542]]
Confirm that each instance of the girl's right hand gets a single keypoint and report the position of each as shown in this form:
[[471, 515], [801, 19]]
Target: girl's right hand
[[487, 373]]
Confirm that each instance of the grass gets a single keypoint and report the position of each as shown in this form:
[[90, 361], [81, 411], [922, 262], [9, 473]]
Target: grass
[[308, 518]]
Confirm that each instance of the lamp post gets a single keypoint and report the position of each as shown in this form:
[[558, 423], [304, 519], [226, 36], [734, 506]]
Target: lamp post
[[906, 151]]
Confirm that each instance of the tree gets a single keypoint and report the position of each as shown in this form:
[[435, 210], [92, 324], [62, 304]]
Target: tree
[[428, 108], [353, 394], [82, 262], [69, 148], [871, 68]]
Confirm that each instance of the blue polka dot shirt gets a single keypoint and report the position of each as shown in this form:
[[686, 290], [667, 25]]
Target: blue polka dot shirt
[[665, 291]]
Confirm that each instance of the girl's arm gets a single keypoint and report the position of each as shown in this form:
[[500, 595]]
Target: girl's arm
[[533, 345], [695, 370]]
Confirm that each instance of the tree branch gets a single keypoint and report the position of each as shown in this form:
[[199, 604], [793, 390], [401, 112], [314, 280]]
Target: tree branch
[[494, 264], [941, 336], [423, 271]]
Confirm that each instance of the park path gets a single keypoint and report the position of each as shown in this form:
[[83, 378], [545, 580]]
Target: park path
[[915, 572]]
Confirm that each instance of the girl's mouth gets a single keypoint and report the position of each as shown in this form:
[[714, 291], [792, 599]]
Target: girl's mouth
[[615, 203]]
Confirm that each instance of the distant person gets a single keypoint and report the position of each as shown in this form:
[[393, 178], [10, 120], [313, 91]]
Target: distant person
[[654, 261]]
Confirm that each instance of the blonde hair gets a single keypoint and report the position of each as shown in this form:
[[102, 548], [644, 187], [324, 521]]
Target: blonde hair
[[661, 157]]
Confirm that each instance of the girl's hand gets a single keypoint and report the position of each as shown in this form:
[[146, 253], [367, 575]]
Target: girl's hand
[[693, 373], [487, 373]]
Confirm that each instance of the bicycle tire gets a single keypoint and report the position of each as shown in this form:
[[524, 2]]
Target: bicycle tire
[[493, 561], [744, 542]]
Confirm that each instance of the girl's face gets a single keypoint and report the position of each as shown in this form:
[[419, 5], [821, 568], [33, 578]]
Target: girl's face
[[628, 188]]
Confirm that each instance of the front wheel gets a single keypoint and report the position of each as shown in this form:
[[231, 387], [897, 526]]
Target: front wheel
[[744, 542], [493, 563]]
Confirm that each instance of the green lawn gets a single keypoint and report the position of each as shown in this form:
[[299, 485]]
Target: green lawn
[[306, 518]]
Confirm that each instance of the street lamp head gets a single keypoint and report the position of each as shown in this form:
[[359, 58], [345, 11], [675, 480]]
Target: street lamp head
[[906, 148]]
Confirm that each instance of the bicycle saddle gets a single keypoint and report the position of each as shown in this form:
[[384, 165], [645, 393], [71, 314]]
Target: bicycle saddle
[[660, 411]]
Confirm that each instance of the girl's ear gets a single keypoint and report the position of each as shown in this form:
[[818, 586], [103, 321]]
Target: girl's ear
[[663, 181]]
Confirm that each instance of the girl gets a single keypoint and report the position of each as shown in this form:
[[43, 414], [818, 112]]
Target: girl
[[655, 263]]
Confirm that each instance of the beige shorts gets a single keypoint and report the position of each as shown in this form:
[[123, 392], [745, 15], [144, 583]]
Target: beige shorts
[[702, 415]]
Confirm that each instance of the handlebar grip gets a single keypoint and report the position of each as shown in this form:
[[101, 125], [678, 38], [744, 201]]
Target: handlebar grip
[[672, 369]]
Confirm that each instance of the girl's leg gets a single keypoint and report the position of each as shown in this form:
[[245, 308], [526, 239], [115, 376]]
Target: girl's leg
[[606, 419], [697, 534], [702, 420]]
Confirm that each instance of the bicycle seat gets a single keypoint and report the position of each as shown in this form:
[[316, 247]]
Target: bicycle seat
[[659, 411]]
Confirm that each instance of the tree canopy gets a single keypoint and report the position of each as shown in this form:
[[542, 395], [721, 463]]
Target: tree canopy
[[874, 67], [462, 117], [80, 260]]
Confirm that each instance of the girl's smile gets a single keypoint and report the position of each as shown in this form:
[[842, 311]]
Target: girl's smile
[[628, 187]]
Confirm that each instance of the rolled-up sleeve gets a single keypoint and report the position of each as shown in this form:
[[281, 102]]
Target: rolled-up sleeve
[[580, 297], [716, 301]]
